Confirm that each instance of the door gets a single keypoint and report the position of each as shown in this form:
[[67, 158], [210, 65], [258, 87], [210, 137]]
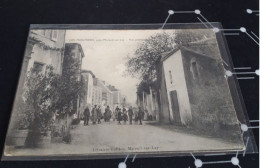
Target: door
[[175, 107]]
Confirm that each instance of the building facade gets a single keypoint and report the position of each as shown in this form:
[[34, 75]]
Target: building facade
[[107, 94], [96, 93], [117, 98], [48, 49], [72, 66], [87, 78], [193, 89], [43, 48]]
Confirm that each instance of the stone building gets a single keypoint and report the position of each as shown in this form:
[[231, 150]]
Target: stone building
[[193, 89]]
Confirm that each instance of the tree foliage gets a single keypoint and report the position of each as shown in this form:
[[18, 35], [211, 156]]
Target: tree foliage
[[48, 94], [39, 88], [68, 88], [143, 64], [186, 36]]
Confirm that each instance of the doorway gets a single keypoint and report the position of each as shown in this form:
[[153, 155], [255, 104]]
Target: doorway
[[175, 107]]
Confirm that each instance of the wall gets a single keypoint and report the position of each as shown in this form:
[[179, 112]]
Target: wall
[[174, 64], [209, 95], [107, 95], [96, 96], [164, 113], [47, 56], [116, 97], [88, 90]]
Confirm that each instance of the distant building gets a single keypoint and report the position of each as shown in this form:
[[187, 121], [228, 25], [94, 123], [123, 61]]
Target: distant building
[[107, 94], [87, 78], [193, 89], [116, 96], [72, 65], [96, 93]]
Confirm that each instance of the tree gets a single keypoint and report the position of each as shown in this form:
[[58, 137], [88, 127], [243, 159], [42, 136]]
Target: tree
[[143, 64], [48, 94], [38, 103], [68, 88], [186, 36]]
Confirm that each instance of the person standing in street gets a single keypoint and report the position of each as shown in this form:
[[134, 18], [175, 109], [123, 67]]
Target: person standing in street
[[99, 114], [107, 114], [94, 114], [116, 113], [86, 115], [124, 109], [140, 115], [119, 116], [136, 116], [130, 114], [125, 117]]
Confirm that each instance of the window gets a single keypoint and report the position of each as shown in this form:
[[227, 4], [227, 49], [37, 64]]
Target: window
[[194, 70], [37, 67], [170, 74], [54, 35]]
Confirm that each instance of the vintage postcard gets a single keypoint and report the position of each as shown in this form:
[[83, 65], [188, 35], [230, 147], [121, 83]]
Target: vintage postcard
[[131, 91]]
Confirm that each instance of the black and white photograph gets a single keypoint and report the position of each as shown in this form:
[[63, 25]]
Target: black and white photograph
[[109, 92]]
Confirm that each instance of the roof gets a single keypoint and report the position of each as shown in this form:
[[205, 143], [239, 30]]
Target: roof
[[88, 71], [184, 48], [79, 46]]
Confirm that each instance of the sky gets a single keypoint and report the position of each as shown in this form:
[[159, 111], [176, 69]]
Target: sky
[[105, 55]]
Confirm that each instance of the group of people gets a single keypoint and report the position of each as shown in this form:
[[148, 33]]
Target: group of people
[[96, 115], [124, 115], [119, 115]]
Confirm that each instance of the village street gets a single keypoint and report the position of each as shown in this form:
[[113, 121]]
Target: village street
[[113, 138]]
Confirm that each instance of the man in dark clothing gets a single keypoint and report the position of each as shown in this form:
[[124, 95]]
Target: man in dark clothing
[[116, 112], [94, 114], [140, 115], [99, 115], [107, 114], [86, 115], [119, 116], [130, 115]]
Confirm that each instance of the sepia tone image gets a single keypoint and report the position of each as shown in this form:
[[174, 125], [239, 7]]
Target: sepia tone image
[[94, 92]]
